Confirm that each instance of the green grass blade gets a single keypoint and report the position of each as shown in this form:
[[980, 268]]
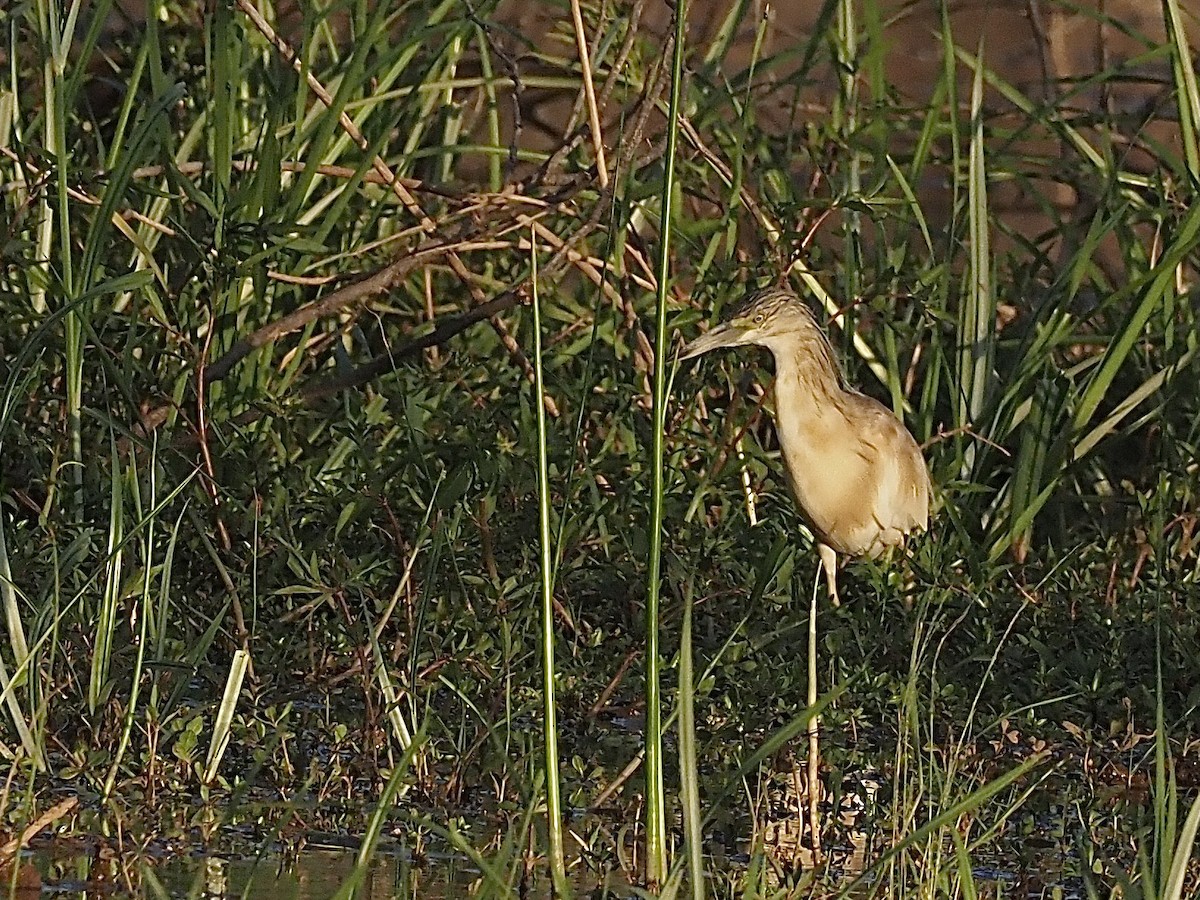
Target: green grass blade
[[379, 817], [689, 771], [977, 320], [105, 626], [1187, 96], [224, 718], [1155, 288], [144, 601], [772, 745], [951, 814], [1182, 857]]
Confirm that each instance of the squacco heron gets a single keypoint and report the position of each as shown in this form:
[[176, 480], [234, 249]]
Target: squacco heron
[[857, 474]]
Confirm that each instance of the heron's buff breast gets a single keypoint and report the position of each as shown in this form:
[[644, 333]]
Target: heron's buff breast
[[857, 474]]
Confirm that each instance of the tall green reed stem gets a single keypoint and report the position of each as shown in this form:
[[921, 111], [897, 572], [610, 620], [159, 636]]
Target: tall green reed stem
[[558, 869], [656, 829], [689, 771]]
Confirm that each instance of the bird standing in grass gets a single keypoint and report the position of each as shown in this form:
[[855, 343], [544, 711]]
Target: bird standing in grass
[[857, 474]]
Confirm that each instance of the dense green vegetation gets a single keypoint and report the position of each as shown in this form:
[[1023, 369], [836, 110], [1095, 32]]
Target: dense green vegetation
[[277, 284]]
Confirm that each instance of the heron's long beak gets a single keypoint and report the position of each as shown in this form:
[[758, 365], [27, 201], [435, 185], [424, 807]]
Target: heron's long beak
[[724, 335]]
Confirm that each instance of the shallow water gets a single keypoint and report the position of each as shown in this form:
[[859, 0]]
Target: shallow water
[[247, 862], [313, 873]]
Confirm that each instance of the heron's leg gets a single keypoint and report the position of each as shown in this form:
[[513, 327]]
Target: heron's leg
[[829, 564], [908, 584]]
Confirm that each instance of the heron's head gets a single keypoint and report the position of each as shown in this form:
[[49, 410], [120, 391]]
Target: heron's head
[[769, 318]]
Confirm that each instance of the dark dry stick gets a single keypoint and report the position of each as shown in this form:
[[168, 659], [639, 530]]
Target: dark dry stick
[[613, 683], [208, 476], [338, 300], [46, 819]]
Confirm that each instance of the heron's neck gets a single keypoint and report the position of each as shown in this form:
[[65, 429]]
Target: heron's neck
[[804, 372]]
